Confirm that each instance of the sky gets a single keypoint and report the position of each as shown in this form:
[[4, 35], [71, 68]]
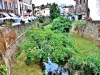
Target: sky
[[59, 2]]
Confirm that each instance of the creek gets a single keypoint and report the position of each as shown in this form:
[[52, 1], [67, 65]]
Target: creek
[[54, 69]]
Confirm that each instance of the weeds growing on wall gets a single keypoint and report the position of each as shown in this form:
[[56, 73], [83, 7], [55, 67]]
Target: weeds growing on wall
[[3, 70]]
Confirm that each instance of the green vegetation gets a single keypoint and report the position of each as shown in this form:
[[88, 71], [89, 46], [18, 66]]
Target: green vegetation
[[61, 24], [12, 20], [87, 60], [20, 68], [81, 54], [79, 22], [41, 44], [41, 19], [22, 22], [54, 11], [3, 70]]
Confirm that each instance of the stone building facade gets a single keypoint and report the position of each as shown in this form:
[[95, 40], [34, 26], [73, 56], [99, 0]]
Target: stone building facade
[[24, 5], [15, 6], [81, 9], [6, 6], [71, 9]]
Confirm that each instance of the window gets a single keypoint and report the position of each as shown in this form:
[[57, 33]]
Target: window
[[84, 1], [26, 7], [1, 6], [10, 7], [80, 1], [5, 5], [77, 2]]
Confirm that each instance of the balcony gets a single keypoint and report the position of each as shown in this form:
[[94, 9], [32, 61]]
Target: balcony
[[5, 10]]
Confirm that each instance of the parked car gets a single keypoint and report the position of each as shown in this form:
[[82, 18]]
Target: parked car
[[4, 17], [15, 18], [28, 18]]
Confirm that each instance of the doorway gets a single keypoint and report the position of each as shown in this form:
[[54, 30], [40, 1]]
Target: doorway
[[79, 17]]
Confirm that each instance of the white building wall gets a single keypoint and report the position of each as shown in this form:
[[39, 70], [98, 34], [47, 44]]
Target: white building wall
[[45, 12], [22, 4], [94, 7], [18, 7], [65, 11]]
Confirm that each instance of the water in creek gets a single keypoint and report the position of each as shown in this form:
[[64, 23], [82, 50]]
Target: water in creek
[[54, 69]]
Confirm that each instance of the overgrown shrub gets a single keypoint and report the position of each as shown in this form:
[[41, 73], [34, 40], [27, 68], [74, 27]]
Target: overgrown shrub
[[3, 70], [28, 60], [79, 22], [29, 20], [22, 22], [41, 19], [54, 11], [62, 24], [12, 20], [46, 43], [86, 65], [8, 23]]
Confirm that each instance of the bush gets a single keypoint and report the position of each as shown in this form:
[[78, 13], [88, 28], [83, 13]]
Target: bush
[[62, 24], [41, 19], [46, 43], [3, 70], [8, 23], [79, 22], [28, 61], [12, 20], [54, 11], [86, 65], [29, 20], [22, 22]]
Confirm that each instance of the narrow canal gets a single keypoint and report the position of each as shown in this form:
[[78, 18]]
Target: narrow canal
[[54, 69]]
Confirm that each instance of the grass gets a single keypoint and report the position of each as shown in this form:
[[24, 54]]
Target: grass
[[20, 68], [85, 47]]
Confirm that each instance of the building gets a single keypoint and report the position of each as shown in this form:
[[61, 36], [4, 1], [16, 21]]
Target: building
[[6, 6], [81, 9], [46, 10], [37, 11], [67, 10], [24, 6], [94, 9], [87, 9], [15, 7], [43, 10]]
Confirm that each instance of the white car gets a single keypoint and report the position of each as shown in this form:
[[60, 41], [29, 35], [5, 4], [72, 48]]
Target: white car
[[8, 16], [16, 18], [26, 18], [4, 17]]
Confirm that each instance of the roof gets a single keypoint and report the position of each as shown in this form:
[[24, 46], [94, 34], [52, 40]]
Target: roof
[[70, 6]]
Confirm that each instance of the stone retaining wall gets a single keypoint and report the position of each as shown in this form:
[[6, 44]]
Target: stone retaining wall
[[10, 39], [91, 30]]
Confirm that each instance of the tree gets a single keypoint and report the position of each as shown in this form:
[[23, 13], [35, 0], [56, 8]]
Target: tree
[[42, 6], [61, 24], [41, 44], [54, 11]]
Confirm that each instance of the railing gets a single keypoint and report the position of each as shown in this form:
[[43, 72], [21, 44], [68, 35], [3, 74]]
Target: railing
[[5, 10]]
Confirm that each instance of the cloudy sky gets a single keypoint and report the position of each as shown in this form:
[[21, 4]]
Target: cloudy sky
[[39, 2]]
